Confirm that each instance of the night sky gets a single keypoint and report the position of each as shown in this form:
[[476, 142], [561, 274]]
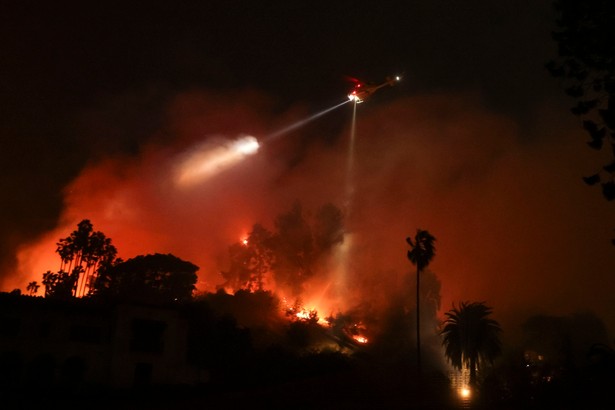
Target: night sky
[[101, 102]]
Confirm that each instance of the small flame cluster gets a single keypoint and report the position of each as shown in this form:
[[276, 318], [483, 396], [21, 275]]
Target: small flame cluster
[[298, 312], [355, 331]]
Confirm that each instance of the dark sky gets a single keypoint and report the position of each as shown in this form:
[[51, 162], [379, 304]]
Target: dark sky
[[476, 144]]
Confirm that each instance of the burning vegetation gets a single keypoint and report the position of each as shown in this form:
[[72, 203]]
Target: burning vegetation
[[287, 257], [279, 283], [278, 315]]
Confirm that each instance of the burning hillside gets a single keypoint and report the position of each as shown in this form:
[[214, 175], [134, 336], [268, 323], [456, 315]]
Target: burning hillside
[[426, 161]]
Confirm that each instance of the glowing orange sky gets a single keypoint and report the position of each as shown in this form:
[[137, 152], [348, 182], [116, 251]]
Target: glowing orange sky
[[515, 225]]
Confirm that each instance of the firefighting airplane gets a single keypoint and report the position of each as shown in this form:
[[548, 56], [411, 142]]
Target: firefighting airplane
[[362, 91]]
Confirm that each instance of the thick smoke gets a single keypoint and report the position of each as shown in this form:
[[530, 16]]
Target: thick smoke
[[514, 224]]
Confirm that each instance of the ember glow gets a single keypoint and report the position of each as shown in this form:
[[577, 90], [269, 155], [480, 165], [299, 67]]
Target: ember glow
[[360, 339], [307, 314], [303, 312]]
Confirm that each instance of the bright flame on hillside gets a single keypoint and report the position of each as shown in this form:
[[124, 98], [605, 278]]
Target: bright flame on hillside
[[307, 314], [360, 339], [304, 314]]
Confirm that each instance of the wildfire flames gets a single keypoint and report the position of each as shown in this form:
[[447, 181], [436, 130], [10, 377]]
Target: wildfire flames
[[350, 331], [196, 192], [360, 339]]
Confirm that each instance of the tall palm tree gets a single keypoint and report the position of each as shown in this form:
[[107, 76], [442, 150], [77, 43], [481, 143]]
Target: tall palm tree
[[421, 253], [32, 287], [471, 338]]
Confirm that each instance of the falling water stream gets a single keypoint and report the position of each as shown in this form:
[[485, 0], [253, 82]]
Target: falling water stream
[[343, 251], [350, 163]]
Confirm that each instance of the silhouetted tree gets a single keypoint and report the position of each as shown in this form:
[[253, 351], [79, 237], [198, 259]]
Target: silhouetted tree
[[33, 287], [422, 251], [151, 278], [262, 256], [585, 35], [471, 337], [250, 260], [239, 275], [563, 358], [59, 285], [294, 249], [301, 239], [290, 253], [562, 342], [82, 254]]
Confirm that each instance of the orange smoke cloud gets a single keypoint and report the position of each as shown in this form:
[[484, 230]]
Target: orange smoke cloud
[[514, 225]]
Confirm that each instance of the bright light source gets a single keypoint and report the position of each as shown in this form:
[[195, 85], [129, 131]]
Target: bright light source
[[465, 392], [213, 157], [247, 145]]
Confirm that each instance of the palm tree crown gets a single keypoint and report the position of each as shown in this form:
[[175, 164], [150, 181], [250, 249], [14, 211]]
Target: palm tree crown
[[422, 249], [471, 338]]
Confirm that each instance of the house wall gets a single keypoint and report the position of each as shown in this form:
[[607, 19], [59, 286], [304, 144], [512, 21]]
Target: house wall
[[47, 342]]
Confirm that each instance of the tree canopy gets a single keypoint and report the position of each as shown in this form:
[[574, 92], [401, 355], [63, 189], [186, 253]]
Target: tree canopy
[[148, 278], [585, 35], [471, 337], [422, 249], [289, 254], [83, 254]]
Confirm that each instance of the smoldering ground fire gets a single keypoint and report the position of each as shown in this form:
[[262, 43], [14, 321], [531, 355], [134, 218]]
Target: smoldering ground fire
[[441, 162]]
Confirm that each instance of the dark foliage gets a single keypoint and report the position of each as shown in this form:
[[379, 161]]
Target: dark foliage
[[84, 253], [290, 253], [585, 35], [471, 337], [155, 278], [563, 362]]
